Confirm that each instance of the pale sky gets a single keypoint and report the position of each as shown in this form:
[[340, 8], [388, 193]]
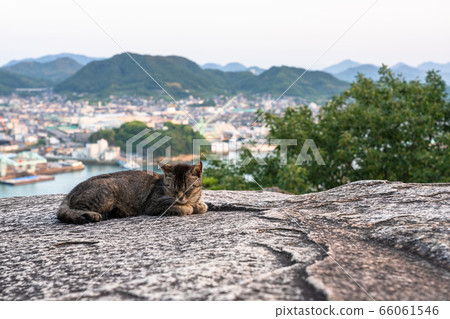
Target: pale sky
[[262, 33]]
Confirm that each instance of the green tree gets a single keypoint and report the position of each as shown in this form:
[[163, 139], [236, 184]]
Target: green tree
[[107, 134], [387, 129], [391, 129], [221, 175]]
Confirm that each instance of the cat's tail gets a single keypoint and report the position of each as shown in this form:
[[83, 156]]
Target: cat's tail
[[76, 216]]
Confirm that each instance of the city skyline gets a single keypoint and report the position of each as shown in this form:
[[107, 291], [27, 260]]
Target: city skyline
[[262, 34]]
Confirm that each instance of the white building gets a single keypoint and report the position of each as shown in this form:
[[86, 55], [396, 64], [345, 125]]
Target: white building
[[110, 154], [100, 151], [30, 139], [102, 145], [19, 132], [92, 150]]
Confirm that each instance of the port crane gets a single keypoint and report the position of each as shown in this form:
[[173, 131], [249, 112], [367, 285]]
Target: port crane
[[3, 124], [24, 161]]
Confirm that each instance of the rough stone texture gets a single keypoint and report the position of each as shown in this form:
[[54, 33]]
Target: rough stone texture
[[364, 240]]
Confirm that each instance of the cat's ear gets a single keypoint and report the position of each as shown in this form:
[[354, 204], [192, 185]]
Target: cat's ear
[[197, 168], [166, 168]]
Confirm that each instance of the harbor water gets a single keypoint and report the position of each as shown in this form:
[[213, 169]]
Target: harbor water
[[62, 184]]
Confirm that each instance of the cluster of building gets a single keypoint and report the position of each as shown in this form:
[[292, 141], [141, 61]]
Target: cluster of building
[[99, 150], [56, 126]]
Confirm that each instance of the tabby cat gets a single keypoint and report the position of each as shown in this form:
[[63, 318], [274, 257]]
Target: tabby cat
[[130, 193]]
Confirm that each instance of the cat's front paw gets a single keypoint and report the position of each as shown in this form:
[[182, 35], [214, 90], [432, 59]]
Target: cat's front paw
[[180, 210], [79, 216], [200, 208], [92, 217]]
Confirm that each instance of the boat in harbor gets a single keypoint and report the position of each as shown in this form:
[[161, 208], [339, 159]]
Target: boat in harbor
[[61, 166], [130, 164]]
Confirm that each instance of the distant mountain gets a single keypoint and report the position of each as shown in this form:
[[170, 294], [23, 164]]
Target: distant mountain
[[349, 75], [317, 84], [180, 77], [255, 70], [212, 66], [420, 72], [233, 67], [444, 68], [347, 70], [409, 72], [81, 59], [54, 71], [10, 81], [341, 67], [120, 74]]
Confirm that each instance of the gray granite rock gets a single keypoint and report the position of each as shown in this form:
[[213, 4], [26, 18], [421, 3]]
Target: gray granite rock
[[362, 241]]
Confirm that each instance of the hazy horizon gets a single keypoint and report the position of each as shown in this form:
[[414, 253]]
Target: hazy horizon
[[223, 64], [263, 33]]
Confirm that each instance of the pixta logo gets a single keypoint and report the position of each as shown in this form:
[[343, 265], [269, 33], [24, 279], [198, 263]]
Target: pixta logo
[[147, 144]]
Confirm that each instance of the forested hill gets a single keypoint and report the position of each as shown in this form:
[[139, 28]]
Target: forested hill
[[9, 82], [53, 71], [180, 77]]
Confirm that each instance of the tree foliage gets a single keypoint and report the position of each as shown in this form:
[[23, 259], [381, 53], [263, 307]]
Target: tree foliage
[[10, 81], [389, 129]]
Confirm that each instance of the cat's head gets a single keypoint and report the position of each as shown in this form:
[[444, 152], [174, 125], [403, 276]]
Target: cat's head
[[183, 182]]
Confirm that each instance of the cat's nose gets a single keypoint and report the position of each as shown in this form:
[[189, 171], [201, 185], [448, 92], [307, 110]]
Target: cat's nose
[[180, 195]]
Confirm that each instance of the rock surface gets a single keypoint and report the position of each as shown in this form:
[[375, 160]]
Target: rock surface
[[362, 241]]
